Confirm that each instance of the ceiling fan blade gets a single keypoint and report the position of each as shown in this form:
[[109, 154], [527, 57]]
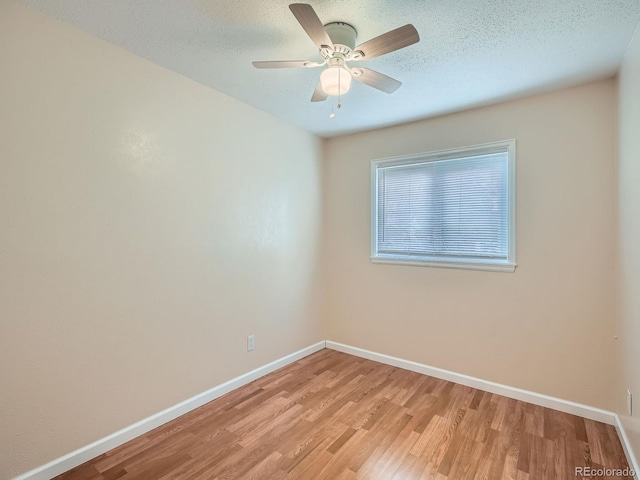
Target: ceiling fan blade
[[319, 95], [279, 64], [311, 24], [388, 42], [377, 80]]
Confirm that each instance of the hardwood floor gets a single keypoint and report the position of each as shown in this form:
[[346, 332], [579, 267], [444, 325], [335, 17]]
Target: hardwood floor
[[334, 416]]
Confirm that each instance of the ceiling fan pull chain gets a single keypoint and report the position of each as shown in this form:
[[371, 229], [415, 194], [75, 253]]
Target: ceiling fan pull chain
[[333, 115]]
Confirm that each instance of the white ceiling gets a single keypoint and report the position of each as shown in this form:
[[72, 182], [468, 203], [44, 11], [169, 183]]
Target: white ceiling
[[471, 52]]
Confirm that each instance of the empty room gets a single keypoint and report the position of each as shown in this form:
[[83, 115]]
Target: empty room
[[338, 240]]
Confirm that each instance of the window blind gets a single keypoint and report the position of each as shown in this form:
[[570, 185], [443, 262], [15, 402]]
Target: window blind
[[453, 209]]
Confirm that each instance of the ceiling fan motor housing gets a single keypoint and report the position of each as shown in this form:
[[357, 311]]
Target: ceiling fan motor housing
[[342, 35]]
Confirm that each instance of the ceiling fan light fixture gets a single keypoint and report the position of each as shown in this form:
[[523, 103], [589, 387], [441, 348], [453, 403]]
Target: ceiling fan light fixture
[[335, 80]]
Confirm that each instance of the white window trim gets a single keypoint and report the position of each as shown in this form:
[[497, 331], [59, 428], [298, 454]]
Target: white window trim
[[508, 146]]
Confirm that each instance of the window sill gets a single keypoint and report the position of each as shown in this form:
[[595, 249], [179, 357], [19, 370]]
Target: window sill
[[491, 267]]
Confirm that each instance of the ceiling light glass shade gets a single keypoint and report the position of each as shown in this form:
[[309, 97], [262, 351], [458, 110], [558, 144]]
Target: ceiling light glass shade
[[335, 81]]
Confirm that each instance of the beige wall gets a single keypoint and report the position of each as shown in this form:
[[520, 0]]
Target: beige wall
[[134, 260], [549, 326], [629, 220]]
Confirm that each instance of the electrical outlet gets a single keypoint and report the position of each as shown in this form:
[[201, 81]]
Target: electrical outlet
[[251, 342], [629, 402]]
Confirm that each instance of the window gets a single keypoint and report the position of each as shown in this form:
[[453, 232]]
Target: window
[[453, 208]]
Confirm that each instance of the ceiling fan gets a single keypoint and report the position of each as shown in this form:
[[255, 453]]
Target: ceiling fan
[[336, 42]]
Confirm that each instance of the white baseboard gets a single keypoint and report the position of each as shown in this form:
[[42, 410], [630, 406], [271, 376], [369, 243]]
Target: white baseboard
[[485, 385], [78, 457], [631, 458]]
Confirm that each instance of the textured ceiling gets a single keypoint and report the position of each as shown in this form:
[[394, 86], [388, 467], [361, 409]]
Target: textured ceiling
[[471, 52]]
